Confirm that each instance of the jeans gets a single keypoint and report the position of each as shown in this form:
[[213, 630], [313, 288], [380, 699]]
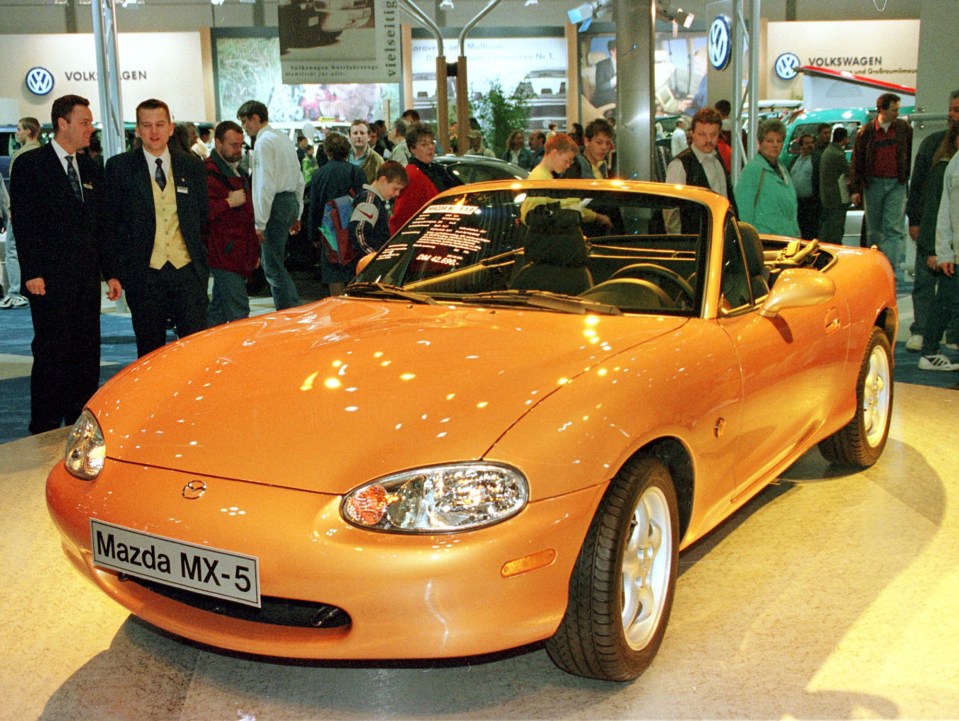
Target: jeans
[[12, 262], [273, 250], [884, 204], [230, 301]]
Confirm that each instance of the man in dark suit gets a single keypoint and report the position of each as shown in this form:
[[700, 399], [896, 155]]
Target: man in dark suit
[[605, 92], [159, 200], [64, 248]]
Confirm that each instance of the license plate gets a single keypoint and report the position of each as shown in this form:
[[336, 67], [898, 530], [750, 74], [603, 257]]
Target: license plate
[[210, 571]]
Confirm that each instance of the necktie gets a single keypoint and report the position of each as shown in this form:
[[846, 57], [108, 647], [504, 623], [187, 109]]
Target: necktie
[[160, 176], [74, 178]]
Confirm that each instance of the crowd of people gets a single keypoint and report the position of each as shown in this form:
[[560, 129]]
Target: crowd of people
[[157, 221], [810, 196]]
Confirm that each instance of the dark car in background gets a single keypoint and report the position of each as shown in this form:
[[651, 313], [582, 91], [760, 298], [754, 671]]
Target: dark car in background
[[478, 168]]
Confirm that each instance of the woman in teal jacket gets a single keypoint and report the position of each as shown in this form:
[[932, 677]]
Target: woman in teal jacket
[[765, 195]]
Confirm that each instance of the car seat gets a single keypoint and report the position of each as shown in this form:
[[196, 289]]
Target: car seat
[[555, 252]]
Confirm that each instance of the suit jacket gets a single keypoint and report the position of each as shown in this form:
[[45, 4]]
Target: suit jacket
[[134, 215], [59, 238], [605, 90]]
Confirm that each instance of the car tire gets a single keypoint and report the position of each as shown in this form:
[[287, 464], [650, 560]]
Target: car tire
[[861, 441], [621, 589]]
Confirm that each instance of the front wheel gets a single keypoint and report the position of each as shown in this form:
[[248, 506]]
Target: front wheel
[[861, 441], [621, 589]]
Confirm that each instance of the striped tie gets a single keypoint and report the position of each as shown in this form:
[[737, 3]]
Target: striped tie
[[74, 178]]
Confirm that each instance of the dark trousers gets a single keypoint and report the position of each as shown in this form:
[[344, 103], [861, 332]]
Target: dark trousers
[[807, 215], [176, 295], [66, 353]]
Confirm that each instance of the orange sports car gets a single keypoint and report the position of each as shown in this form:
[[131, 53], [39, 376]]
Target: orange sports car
[[522, 409]]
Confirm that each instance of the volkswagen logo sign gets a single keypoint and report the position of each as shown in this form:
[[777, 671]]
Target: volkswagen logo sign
[[786, 65], [193, 490], [39, 81], [719, 45]]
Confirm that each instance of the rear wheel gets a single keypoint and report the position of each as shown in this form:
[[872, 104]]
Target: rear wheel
[[861, 441], [621, 589]]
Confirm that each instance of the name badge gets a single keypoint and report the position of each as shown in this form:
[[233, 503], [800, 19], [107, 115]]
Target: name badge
[[182, 189]]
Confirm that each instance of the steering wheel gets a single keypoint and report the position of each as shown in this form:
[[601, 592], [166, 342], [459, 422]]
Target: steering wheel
[[679, 290]]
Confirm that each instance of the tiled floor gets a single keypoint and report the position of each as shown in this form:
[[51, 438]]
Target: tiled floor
[[828, 596]]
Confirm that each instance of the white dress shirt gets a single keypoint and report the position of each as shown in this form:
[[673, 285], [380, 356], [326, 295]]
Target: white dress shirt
[[166, 163], [276, 169], [712, 165]]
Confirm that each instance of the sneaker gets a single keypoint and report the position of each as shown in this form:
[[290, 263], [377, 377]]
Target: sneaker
[[914, 344], [7, 302], [937, 362], [19, 302], [950, 345]]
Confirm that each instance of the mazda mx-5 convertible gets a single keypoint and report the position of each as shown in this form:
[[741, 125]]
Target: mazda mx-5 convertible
[[522, 409]]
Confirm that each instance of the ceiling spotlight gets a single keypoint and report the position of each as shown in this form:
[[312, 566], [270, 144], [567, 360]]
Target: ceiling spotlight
[[584, 14], [446, 5], [530, 3], [216, 2]]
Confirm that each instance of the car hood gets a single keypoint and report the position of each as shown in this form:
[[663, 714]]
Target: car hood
[[333, 394]]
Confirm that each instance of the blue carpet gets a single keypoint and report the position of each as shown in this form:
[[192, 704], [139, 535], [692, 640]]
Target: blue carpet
[[119, 348]]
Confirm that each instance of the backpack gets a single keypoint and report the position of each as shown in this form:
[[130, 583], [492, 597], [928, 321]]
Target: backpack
[[335, 228]]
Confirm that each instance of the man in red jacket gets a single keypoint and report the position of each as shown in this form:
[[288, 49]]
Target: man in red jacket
[[230, 237], [879, 177]]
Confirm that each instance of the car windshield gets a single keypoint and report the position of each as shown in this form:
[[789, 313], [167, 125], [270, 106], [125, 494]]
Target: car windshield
[[548, 248]]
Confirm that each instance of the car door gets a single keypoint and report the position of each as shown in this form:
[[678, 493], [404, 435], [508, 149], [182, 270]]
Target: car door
[[790, 366]]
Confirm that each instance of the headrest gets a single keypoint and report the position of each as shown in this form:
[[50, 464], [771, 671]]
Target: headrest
[[753, 248]]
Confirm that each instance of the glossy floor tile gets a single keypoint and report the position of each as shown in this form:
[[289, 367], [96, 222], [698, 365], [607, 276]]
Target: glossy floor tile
[[828, 596]]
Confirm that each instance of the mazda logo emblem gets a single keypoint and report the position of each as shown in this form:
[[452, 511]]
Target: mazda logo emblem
[[39, 81], [193, 490]]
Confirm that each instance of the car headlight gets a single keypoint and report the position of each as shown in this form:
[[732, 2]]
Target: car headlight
[[86, 448], [454, 497]]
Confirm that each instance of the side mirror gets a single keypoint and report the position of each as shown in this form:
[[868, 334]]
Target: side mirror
[[797, 288]]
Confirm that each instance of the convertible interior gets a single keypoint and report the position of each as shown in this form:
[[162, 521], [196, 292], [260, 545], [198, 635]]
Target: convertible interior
[[637, 268]]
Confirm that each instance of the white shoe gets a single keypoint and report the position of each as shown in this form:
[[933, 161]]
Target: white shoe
[[950, 346], [914, 344], [937, 362], [19, 302], [7, 302]]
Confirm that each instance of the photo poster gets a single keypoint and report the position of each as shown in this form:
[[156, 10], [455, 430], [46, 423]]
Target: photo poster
[[248, 68], [340, 42], [538, 63], [680, 72]]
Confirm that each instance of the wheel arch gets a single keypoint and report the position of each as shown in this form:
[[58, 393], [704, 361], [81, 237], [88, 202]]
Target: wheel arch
[[678, 459], [888, 321]]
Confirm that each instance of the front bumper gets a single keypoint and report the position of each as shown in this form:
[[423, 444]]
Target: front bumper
[[425, 596]]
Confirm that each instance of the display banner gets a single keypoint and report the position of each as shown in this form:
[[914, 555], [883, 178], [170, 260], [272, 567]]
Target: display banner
[[679, 71], [37, 69], [339, 41], [249, 69], [886, 50], [536, 63]]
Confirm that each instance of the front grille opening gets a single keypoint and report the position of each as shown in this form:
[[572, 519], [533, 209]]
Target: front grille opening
[[274, 611]]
